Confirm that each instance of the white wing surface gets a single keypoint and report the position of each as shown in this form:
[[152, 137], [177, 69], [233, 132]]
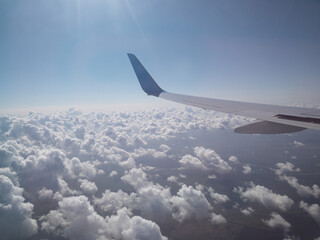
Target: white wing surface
[[275, 119]]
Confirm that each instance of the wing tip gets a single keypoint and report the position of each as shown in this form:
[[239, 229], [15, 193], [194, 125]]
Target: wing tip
[[147, 83]]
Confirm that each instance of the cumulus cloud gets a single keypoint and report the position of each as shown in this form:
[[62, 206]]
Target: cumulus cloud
[[113, 173], [247, 211], [45, 193], [212, 160], [233, 159], [80, 169], [136, 177], [88, 186], [276, 221], [263, 195], [152, 200], [217, 197], [190, 203], [172, 179], [302, 190], [285, 167], [246, 169], [111, 202], [65, 189], [190, 162], [15, 213], [217, 219], [312, 209], [298, 144], [121, 226], [128, 164], [77, 219]]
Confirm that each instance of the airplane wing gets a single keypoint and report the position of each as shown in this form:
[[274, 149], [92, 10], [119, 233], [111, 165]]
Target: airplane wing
[[274, 119]]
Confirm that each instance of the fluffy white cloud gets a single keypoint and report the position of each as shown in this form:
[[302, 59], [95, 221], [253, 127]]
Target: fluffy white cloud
[[217, 197], [247, 211], [313, 210], [246, 169], [302, 190], [285, 167], [75, 219], [152, 200], [88, 186], [121, 226], [233, 159], [111, 202], [113, 173], [128, 164], [190, 162], [265, 196], [64, 188], [298, 144], [276, 221], [217, 219], [15, 214], [80, 169], [172, 179], [45, 193], [212, 160], [136, 177], [190, 203]]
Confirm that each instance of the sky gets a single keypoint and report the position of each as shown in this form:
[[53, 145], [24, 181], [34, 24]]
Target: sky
[[70, 53]]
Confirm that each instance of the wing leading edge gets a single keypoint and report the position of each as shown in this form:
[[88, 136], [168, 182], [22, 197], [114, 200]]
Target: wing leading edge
[[276, 119]]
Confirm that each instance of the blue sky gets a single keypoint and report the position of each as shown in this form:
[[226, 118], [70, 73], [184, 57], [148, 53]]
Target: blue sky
[[57, 53]]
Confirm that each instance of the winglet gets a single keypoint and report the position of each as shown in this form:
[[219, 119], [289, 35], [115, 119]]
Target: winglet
[[146, 81]]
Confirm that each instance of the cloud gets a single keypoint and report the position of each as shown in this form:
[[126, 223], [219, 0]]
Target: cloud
[[217, 197], [302, 190], [75, 219], [247, 211], [276, 221], [152, 200], [64, 188], [210, 159], [128, 164], [172, 179], [190, 162], [190, 203], [136, 177], [87, 186], [111, 202], [212, 176], [246, 169], [121, 226], [285, 167], [298, 144], [15, 214], [265, 196], [313, 210], [217, 219], [45, 193], [113, 173], [233, 159], [80, 169]]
